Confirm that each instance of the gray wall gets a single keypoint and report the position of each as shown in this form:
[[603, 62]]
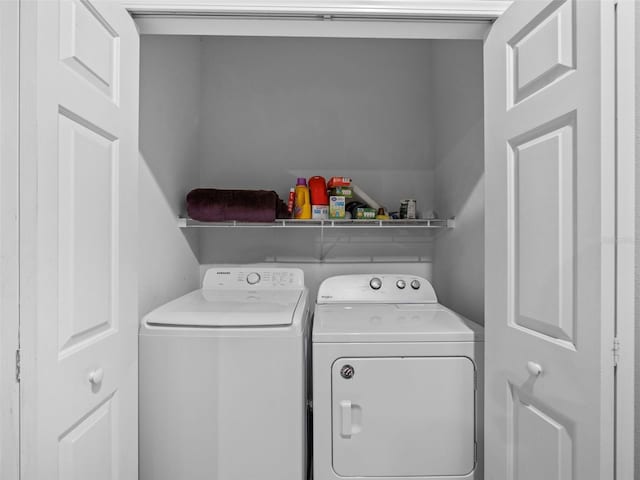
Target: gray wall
[[274, 109], [298, 107], [395, 115], [458, 269], [170, 81]]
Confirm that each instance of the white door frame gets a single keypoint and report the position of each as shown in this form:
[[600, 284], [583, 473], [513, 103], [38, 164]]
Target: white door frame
[[9, 240], [411, 8], [172, 16], [319, 18], [405, 19], [625, 238]]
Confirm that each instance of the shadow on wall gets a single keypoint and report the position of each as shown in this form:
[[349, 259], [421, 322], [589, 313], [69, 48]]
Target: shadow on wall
[[170, 98], [460, 168], [170, 93], [168, 265], [458, 269], [308, 245]]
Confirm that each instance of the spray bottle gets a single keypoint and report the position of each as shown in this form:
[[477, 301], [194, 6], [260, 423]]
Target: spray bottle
[[291, 201]]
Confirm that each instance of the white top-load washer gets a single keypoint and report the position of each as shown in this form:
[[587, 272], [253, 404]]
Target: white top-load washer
[[397, 382], [223, 384]]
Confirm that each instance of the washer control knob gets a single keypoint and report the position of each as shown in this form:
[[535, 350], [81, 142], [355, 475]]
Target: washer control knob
[[253, 278], [415, 284], [375, 283], [401, 284]]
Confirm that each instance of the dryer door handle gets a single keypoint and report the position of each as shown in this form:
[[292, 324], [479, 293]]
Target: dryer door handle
[[345, 410]]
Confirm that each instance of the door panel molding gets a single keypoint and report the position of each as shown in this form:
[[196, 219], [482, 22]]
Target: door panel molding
[[77, 457], [552, 435], [542, 230], [552, 31], [86, 152], [90, 46]]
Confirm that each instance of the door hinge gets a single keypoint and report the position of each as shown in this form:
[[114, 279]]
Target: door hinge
[[616, 351], [18, 365]]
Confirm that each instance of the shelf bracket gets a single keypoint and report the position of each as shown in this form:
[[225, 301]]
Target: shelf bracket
[[322, 252]]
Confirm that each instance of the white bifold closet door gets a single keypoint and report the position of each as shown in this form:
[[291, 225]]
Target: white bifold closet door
[[79, 165], [550, 166]]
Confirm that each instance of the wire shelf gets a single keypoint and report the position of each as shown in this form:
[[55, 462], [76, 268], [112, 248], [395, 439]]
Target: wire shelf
[[322, 224]]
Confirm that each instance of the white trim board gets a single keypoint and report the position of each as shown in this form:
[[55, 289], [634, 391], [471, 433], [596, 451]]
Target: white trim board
[[271, 27], [625, 238], [479, 9], [9, 241]]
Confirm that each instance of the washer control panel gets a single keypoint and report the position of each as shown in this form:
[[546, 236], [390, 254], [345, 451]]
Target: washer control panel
[[251, 278], [371, 288], [376, 283]]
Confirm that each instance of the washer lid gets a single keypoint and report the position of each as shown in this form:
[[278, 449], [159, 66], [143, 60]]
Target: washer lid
[[228, 308], [354, 323]]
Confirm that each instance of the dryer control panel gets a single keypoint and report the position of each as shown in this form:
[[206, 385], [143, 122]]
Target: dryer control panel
[[376, 288], [252, 278]]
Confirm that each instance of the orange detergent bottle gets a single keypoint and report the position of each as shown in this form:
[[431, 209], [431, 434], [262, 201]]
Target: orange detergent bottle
[[302, 208]]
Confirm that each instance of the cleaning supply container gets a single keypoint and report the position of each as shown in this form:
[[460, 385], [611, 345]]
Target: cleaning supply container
[[319, 198], [291, 201], [302, 209]]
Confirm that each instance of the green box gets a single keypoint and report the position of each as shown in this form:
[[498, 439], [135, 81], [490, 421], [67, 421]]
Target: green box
[[365, 213], [341, 192]]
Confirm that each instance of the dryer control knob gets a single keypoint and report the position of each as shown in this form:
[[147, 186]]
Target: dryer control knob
[[253, 278], [375, 283], [401, 284], [415, 284]]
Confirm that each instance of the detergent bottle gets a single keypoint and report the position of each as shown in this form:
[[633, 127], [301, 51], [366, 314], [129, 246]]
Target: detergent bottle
[[302, 208], [319, 198]]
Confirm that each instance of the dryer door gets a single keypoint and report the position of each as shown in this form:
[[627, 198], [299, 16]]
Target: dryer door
[[403, 416]]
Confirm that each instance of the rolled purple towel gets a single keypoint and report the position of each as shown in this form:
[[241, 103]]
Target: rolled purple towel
[[214, 205]]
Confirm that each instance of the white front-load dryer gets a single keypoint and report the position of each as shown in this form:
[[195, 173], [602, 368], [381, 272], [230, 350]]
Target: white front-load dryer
[[223, 379], [397, 383]]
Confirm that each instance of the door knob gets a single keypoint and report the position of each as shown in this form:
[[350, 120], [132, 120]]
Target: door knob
[[96, 376], [534, 369]]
